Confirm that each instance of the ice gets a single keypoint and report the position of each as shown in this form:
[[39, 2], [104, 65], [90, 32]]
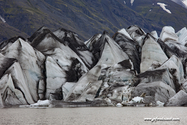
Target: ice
[[179, 99], [56, 76], [137, 99], [159, 103], [29, 62], [112, 53], [59, 33], [13, 95], [103, 66], [86, 56], [151, 52], [89, 42], [67, 52], [175, 63], [108, 101], [137, 34], [90, 91], [154, 34], [163, 6], [182, 34], [17, 75], [124, 32], [67, 87], [168, 33], [119, 105], [168, 29], [41, 103], [52, 70]]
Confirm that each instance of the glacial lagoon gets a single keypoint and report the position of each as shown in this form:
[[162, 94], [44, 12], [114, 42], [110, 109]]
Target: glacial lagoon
[[94, 116]]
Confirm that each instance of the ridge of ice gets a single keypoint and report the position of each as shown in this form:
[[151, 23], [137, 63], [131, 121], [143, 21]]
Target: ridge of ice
[[124, 32]]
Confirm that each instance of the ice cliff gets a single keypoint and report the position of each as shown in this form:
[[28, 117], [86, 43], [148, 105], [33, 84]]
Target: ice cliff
[[131, 68]]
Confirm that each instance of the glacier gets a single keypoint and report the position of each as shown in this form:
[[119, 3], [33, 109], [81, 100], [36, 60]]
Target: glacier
[[58, 69]]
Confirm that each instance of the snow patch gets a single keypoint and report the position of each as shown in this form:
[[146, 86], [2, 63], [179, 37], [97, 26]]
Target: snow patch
[[132, 1], [124, 2], [2, 19], [185, 2], [163, 6]]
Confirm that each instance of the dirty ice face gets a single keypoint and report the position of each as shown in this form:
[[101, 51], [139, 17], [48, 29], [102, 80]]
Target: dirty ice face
[[119, 72]]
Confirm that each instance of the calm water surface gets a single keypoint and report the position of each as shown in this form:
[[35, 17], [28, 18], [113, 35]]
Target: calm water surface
[[92, 116]]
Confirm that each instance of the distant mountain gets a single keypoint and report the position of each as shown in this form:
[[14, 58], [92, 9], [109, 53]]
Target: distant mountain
[[8, 31], [153, 11], [181, 2], [87, 17]]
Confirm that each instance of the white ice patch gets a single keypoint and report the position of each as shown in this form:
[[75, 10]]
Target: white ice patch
[[87, 56], [103, 66], [154, 34], [41, 102], [137, 99], [67, 87], [132, 1], [159, 103], [163, 6], [119, 105], [182, 34], [124, 32], [2, 19], [88, 42], [112, 53], [108, 101], [168, 33]]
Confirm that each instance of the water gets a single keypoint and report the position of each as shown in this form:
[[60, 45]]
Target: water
[[92, 116]]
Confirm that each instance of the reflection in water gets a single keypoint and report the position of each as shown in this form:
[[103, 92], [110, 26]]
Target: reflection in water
[[91, 116]]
